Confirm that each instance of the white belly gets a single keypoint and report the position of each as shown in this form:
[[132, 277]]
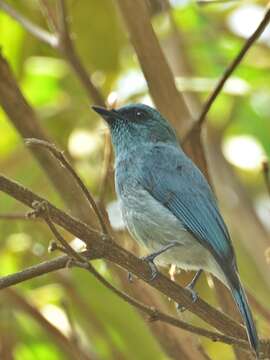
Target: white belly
[[154, 226]]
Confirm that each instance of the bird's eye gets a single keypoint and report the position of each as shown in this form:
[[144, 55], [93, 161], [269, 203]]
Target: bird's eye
[[139, 114]]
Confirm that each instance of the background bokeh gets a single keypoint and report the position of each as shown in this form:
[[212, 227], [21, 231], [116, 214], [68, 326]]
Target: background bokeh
[[199, 40]]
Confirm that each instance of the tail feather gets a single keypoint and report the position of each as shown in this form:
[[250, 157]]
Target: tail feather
[[242, 303]]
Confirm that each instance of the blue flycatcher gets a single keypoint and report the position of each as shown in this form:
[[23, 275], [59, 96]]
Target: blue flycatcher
[[167, 204]]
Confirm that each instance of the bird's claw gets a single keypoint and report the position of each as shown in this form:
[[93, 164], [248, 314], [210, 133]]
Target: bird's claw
[[130, 277], [150, 261], [194, 298]]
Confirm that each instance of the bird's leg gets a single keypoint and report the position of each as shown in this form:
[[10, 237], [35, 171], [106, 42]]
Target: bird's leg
[[190, 288], [151, 257]]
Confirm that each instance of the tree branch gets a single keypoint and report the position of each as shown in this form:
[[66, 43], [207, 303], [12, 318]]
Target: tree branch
[[71, 349], [60, 41], [83, 213], [59, 155], [25, 120], [37, 31], [265, 168], [14, 217], [112, 252], [154, 315], [43, 268], [154, 65], [107, 169], [229, 70], [67, 48]]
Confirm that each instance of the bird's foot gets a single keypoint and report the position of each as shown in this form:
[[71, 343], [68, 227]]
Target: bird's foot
[[190, 288], [130, 277], [194, 298], [150, 261]]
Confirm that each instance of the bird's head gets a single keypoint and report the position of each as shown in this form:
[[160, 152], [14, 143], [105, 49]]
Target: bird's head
[[135, 125]]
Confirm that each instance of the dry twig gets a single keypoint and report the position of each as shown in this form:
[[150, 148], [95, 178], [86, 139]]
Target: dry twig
[[14, 217], [59, 155], [228, 72]]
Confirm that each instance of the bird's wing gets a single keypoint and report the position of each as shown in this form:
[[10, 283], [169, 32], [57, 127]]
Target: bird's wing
[[173, 180]]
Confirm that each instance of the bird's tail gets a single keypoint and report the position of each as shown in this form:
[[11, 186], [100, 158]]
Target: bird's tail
[[241, 300]]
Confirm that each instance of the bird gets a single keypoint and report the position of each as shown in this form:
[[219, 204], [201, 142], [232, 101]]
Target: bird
[[167, 204]]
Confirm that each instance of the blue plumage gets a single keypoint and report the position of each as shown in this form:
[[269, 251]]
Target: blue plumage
[[167, 203], [183, 190]]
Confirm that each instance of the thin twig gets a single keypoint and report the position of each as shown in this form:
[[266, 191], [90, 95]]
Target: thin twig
[[49, 15], [40, 269], [59, 155], [62, 17], [42, 210], [106, 168], [266, 174], [35, 30], [213, 2], [66, 46], [14, 217], [229, 70]]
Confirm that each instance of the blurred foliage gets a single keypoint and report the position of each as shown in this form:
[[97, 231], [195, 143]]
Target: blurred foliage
[[105, 325]]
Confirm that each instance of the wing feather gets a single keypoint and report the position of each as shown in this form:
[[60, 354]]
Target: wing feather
[[181, 188]]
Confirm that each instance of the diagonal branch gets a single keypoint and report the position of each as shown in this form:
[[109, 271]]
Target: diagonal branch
[[154, 315], [25, 120], [60, 41], [78, 260], [34, 29], [229, 70], [114, 253], [59, 155], [111, 251], [70, 348]]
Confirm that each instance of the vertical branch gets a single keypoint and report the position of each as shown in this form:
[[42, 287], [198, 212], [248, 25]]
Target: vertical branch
[[194, 147], [154, 65], [265, 168], [107, 168]]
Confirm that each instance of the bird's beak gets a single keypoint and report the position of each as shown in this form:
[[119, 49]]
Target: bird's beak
[[108, 115]]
